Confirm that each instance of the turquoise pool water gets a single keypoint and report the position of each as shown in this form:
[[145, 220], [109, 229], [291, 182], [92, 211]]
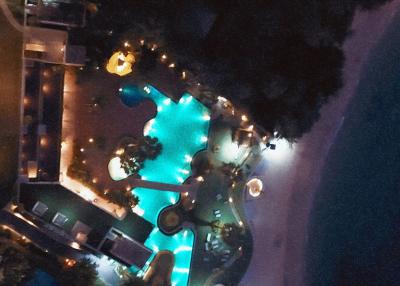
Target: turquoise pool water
[[182, 129]]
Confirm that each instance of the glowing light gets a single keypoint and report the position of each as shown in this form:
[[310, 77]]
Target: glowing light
[[180, 179], [172, 65], [75, 245], [167, 101], [159, 108], [172, 200], [182, 248], [141, 42], [82, 149], [200, 179], [94, 180], [91, 140], [154, 47], [44, 142], [255, 187], [223, 99], [120, 64], [146, 89], [181, 270], [183, 171], [230, 200], [240, 223], [188, 158], [189, 99], [155, 248], [126, 44], [204, 139], [163, 57], [45, 88], [183, 75], [120, 89], [244, 118], [206, 117], [283, 153], [148, 127]]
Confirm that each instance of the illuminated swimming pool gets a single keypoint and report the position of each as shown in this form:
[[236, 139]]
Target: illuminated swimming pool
[[182, 129]]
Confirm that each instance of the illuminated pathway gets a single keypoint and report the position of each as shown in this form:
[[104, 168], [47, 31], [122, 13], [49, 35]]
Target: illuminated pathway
[[182, 129]]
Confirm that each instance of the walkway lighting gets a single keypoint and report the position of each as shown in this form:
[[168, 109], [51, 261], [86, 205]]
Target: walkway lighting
[[206, 117], [172, 65], [91, 140], [200, 179], [82, 150], [147, 89], [204, 139]]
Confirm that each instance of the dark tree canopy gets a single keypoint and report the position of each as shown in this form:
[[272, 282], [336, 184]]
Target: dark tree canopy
[[83, 273], [282, 59], [14, 267]]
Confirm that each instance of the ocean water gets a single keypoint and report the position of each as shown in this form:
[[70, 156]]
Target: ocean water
[[354, 231]]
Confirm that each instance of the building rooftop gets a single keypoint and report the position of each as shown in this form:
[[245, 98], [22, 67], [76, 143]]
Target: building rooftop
[[59, 200]]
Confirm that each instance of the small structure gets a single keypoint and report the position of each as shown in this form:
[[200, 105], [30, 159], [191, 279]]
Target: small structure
[[51, 46], [254, 187], [120, 64], [125, 250]]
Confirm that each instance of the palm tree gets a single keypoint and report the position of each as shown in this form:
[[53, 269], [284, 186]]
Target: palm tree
[[137, 152], [124, 198]]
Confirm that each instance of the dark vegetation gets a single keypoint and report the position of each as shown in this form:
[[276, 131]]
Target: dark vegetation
[[135, 151], [20, 259], [282, 59]]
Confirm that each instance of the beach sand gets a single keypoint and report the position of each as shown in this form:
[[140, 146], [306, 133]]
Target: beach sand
[[279, 219]]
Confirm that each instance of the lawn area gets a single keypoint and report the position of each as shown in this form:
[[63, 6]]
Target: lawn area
[[10, 90]]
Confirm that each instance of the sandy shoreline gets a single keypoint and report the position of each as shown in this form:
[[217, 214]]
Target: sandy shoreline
[[279, 220]]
